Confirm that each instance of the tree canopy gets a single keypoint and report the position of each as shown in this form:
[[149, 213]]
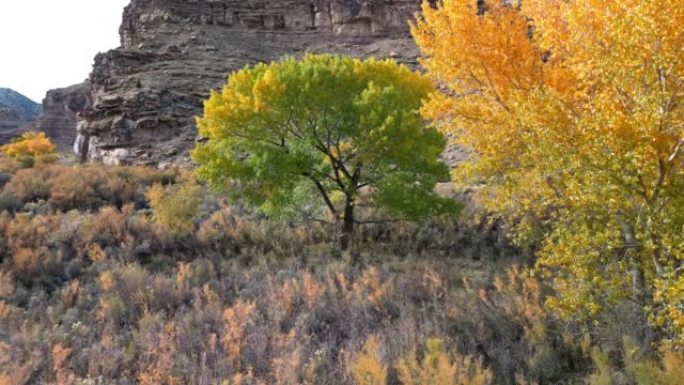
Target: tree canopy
[[574, 113], [279, 134], [31, 148]]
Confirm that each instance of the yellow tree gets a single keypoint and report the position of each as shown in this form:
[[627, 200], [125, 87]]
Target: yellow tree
[[574, 114], [31, 148]]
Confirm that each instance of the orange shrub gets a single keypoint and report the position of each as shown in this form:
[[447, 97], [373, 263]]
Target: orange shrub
[[31, 148], [29, 185]]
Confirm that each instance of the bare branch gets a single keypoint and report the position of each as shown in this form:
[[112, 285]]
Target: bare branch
[[324, 194]]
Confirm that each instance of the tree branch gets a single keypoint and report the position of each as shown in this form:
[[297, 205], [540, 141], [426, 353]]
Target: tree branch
[[324, 194]]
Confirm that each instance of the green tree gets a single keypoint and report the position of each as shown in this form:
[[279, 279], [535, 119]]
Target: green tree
[[280, 133]]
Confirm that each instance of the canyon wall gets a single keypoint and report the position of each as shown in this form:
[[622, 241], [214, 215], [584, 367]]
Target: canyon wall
[[143, 97], [58, 119]]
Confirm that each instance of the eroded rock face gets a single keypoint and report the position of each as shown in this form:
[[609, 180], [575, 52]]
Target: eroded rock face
[[143, 97], [58, 119], [337, 17]]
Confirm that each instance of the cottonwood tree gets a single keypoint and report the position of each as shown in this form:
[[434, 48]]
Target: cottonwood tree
[[31, 148], [280, 134], [574, 112]]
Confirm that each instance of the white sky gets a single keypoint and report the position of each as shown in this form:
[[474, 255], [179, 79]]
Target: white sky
[[47, 44]]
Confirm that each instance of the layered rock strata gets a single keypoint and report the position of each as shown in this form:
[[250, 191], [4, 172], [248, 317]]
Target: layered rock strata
[[58, 119], [143, 97]]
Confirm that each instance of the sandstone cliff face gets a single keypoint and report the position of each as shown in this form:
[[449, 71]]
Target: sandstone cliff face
[[143, 97]]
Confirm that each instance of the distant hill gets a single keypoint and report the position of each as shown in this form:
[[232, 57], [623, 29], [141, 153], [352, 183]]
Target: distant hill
[[25, 108], [16, 111]]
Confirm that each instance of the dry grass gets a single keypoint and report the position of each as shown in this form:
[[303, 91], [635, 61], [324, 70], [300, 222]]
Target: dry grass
[[93, 290]]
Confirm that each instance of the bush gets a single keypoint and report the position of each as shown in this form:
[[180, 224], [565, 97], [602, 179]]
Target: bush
[[29, 185], [637, 368], [84, 187], [176, 206], [437, 367], [31, 148]]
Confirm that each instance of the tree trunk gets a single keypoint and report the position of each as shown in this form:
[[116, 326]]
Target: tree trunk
[[644, 333], [347, 226]]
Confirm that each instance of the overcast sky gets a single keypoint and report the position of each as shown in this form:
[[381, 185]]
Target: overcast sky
[[47, 44]]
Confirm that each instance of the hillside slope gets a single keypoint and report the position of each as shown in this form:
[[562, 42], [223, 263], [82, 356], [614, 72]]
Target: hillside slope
[[25, 108], [16, 110]]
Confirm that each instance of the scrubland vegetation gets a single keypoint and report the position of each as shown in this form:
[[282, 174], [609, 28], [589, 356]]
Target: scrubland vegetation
[[124, 275], [564, 265], [98, 286]]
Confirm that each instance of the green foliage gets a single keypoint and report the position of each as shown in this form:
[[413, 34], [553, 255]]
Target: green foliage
[[280, 134]]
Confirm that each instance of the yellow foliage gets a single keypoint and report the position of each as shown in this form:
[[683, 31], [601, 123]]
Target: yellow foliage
[[438, 368], [174, 207], [31, 148], [368, 368], [574, 113], [670, 371]]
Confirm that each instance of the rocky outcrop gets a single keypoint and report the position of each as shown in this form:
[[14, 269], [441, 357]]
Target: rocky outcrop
[[16, 111], [335, 17], [10, 124], [58, 119], [143, 96]]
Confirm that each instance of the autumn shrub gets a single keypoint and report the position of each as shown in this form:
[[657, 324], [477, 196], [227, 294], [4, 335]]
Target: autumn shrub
[[175, 207], [368, 368], [28, 185], [8, 166], [35, 258], [285, 321], [31, 148], [86, 187], [435, 367], [121, 234], [438, 367], [232, 230], [129, 291], [107, 293], [637, 368]]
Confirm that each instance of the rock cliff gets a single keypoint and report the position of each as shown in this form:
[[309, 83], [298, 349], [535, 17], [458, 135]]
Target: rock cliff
[[142, 97], [58, 119]]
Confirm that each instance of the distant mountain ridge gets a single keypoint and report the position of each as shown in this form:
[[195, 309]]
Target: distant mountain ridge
[[16, 113], [25, 108]]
